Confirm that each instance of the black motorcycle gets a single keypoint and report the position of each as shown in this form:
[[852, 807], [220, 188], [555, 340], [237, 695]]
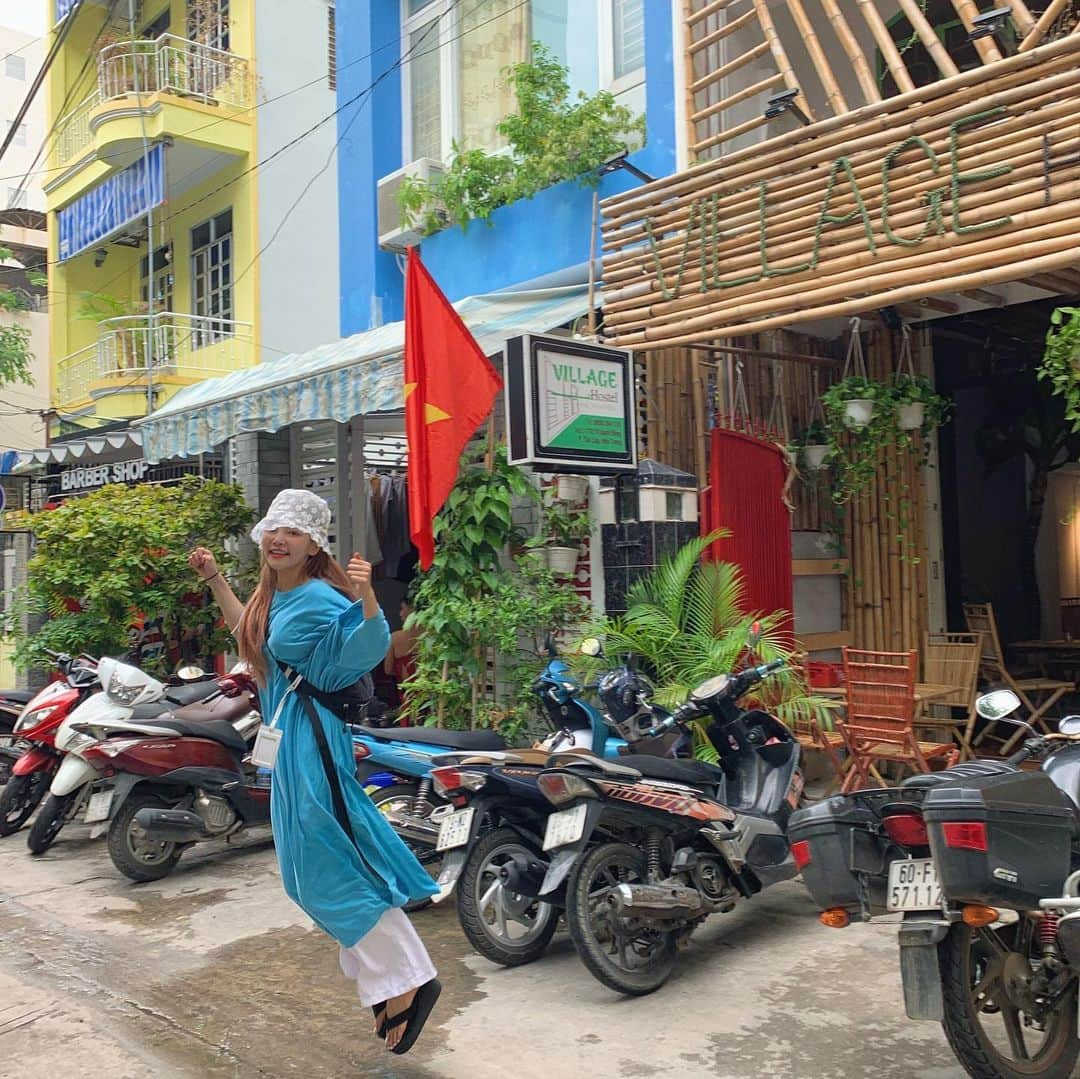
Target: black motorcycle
[[982, 861], [653, 846]]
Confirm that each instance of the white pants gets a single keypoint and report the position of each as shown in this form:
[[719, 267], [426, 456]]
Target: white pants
[[388, 960]]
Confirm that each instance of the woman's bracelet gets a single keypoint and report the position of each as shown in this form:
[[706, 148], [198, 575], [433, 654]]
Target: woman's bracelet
[[207, 580]]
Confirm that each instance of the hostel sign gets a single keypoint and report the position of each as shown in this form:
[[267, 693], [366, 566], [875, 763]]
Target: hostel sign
[[963, 184], [569, 405]]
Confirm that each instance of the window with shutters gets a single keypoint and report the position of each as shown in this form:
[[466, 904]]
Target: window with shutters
[[331, 47]]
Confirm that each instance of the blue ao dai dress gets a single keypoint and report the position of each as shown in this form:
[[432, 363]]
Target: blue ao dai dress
[[326, 638]]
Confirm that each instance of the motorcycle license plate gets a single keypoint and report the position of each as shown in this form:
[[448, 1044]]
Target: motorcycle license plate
[[913, 885], [98, 807], [565, 827], [455, 830]]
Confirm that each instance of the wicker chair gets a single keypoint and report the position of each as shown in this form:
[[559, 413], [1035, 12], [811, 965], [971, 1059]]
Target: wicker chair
[[952, 659], [880, 722]]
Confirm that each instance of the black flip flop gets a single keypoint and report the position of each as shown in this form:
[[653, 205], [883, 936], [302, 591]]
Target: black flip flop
[[415, 1015], [378, 1010]]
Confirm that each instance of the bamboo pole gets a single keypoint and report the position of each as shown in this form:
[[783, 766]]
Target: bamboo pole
[[867, 271], [838, 128], [986, 47], [730, 67], [733, 133], [740, 95], [886, 46], [806, 29], [700, 425], [842, 29], [688, 68], [1050, 257], [1022, 17], [1054, 92], [692, 18], [929, 39], [1046, 20], [721, 32], [776, 47]]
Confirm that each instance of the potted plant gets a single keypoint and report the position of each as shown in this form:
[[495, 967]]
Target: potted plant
[[918, 406], [571, 488], [811, 445], [561, 535], [854, 401]]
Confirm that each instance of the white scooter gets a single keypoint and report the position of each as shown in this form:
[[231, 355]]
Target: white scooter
[[130, 699]]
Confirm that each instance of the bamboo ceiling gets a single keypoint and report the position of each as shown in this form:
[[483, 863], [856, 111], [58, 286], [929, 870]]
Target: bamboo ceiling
[[954, 186]]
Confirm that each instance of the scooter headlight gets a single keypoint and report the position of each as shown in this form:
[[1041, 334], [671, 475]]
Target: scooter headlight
[[74, 741], [123, 692], [33, 718]]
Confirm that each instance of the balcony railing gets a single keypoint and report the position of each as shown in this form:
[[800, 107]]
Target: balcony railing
[[169, 65], [176, 66], [134, 347]]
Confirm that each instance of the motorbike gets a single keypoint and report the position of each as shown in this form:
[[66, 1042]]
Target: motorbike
[[650, 847], [34, 758], [395, 763], [129, 697], [181, 778], [12, 703], [982, 863], [492, 844]]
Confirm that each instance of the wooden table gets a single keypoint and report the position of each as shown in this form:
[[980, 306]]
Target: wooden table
[[1061, 654]]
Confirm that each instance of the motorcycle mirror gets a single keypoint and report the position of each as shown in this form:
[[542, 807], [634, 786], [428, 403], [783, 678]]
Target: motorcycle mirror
[[997, 704], [590, 646], [1069, 725], [549, 646], [190, 673], [754, 636]]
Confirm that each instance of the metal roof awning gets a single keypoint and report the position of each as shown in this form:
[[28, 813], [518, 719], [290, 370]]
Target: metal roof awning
[[347, 378]]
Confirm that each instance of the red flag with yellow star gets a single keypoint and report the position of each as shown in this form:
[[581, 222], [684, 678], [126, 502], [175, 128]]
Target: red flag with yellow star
[[449, 390]]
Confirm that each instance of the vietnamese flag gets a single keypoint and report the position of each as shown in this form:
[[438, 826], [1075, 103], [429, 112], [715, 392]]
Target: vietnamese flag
[[449, 390]]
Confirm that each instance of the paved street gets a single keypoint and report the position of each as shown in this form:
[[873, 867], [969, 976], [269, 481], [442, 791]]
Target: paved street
[[213, 973]]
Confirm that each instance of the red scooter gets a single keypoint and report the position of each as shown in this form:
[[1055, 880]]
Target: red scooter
[[35, 755], [174, 791]]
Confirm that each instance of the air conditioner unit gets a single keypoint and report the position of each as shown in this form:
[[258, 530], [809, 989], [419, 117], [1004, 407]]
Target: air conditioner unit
[[392, 236]]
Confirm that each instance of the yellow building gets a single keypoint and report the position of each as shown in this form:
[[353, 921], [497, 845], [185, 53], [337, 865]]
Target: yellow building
[[161, 112]]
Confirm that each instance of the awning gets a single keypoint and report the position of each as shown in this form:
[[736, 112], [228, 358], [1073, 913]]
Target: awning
[[357, 374], [76, 449]]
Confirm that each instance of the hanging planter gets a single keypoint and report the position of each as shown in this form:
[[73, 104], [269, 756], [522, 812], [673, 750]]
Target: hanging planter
[[571, 488], [814, 457], [909, 417], [811, 445], [562, 561], [858, 412]]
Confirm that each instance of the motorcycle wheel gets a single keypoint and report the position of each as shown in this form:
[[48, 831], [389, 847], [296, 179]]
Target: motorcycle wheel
[[992, 1035], [47, 824], [133, 852], [401, 796], [625, 954], [19, 798], [507, 928]]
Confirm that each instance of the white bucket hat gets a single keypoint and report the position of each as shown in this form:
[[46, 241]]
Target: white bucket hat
[[302, 510]]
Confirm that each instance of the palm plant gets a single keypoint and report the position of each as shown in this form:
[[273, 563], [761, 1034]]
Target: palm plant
[[686, 623]]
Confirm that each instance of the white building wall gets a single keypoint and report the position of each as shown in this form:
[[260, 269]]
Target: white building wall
[[26, 52], [298, 272]]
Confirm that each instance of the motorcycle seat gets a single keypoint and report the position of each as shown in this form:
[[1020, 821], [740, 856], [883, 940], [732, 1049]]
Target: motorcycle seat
[[471, 740], [696, 773], [226, 708], [216, 730], [188, 694], [17, 696], [967, 770]]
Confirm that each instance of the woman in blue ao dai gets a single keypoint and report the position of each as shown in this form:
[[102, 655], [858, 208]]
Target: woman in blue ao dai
[[326, 625]]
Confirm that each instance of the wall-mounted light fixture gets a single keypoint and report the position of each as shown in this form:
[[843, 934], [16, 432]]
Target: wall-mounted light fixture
[[779, 104], [620, 161], [991, 24]]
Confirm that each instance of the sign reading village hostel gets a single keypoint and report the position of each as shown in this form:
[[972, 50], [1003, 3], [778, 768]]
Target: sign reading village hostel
[[569, 406], [947, 188]]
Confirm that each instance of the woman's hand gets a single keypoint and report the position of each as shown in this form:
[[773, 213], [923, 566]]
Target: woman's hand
[[359, 572], [203, 563]]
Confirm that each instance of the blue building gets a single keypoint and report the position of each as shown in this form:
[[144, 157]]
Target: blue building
[[416, 76]]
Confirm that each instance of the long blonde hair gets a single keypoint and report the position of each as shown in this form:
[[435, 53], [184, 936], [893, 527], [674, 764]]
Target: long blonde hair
[[252, 628]]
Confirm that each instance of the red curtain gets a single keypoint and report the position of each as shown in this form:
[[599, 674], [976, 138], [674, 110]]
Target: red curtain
[[745, 496]]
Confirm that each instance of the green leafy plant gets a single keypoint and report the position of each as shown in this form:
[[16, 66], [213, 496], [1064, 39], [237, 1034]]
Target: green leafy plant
[[917, 390], [853, 451], [1060, 363], [117, 556], [483, 613], [553, 136], [562, 527], [687, 622]]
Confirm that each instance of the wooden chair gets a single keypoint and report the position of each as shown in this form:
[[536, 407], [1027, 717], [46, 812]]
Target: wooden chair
[[1038, 695], [812, 736], [952, 659], [880, 723]]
